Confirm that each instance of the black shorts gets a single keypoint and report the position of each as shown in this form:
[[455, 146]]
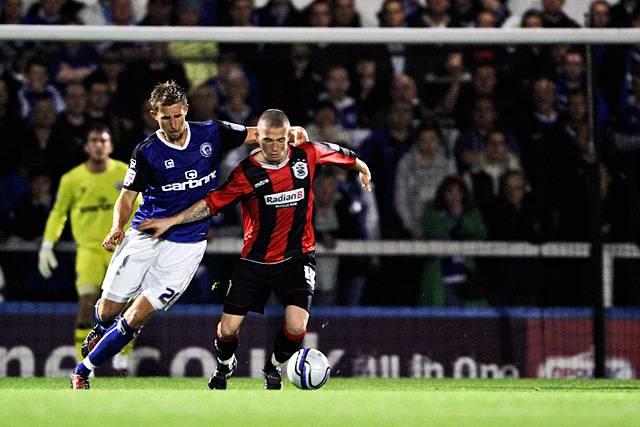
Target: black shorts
[[292, 281]]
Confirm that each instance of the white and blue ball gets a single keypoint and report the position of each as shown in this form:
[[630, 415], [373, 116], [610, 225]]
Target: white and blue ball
[[308, 369]]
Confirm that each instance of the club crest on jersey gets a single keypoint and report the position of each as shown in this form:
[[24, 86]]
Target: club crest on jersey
[[300, 170], [206, 149]]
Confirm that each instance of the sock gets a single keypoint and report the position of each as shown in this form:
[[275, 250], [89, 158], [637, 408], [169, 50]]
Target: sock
[[116, 337], [82, 330], [225, 346], [285, 345]]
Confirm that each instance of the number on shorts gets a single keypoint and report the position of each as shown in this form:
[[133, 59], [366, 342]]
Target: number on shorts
[[168, 297], [310, 275]]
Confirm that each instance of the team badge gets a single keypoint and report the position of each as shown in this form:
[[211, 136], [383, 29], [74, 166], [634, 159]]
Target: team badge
[[206, 149], [300, 170]]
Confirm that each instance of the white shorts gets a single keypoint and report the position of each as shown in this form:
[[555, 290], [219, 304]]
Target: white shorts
[[158, 269]]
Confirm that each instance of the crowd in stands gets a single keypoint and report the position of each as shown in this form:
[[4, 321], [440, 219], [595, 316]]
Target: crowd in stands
[[464, 142]]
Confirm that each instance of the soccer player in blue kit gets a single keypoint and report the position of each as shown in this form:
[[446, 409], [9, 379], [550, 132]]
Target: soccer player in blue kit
[[172, 168]]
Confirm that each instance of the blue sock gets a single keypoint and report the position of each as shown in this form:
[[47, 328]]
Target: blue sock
[[116, 337]]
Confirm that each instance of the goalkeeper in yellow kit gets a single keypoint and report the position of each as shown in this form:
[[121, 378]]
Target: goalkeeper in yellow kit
[[88, 192]]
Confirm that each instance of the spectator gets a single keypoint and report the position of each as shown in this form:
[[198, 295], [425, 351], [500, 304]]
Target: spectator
[[71, 126], [158, 13], [403, 58], [337, 85], [370, 89], [53, 12], [327, 227], [540, 138], [513, 218], [39, 153], [554, 17], [622, 13], [499, 9], [11, 12], [599, 14], [435, 15], [382, 152], [452, 280], [345, 14], [279, 13], [297, 87], [326, 127], [36, 86], [494, 161], [472, 141], [203, 103], [99, 102], [32, 209], [72, 62], [139, 76], [525, 62], [194, 56], [404, 89], [11, 129], [318, 14], [419, 174], [236, 108], [121, 12], [249, 55], [465, 12]]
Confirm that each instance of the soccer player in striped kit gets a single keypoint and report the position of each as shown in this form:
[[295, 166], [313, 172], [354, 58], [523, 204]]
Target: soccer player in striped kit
[[172, 168], [273, 187]]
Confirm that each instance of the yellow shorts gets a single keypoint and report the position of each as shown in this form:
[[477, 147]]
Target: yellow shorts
[[91, 265]]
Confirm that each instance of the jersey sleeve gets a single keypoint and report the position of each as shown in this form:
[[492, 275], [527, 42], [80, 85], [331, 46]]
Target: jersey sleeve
[[232, 135], [60, 211], [139, 174], [332, 154], [231, 191]]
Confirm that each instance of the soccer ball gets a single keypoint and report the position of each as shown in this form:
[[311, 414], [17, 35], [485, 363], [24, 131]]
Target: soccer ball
[[308, 369]]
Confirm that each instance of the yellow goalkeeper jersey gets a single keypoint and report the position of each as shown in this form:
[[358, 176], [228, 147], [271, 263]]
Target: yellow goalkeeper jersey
[[90, 198]]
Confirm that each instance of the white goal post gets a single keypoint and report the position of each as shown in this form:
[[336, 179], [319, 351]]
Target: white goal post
[[102, 33]]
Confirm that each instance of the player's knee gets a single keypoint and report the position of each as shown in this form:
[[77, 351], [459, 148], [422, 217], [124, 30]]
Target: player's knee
[[296, 327], [108, 310], [227, 330]]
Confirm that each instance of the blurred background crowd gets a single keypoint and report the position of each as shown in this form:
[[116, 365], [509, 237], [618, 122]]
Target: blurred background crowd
[[464, 142]]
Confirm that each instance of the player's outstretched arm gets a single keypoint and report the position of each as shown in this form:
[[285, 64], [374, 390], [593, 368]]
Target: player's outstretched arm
[[199, 210], [121, 213], [365, 174]]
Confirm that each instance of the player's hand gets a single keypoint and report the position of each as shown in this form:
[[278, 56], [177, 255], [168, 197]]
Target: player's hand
[[297, 135], [160, 225], [112, 240], [47, 261], [365, 179]]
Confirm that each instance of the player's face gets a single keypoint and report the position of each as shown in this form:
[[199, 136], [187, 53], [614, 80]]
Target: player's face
[[273, 143], [98, 146], [171, 120]]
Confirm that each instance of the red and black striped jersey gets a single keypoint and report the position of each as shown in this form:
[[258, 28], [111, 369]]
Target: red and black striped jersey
[[277, 200]]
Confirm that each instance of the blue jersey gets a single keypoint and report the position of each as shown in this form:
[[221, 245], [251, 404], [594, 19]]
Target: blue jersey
[[173, 178]]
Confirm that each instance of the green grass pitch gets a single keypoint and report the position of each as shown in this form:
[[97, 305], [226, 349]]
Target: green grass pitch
[[342, 402]]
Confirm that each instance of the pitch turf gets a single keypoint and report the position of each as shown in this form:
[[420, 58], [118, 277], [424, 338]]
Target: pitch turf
[[342, 402]]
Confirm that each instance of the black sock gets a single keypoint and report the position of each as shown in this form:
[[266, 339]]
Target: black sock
[[285, 345], [225, 346]]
